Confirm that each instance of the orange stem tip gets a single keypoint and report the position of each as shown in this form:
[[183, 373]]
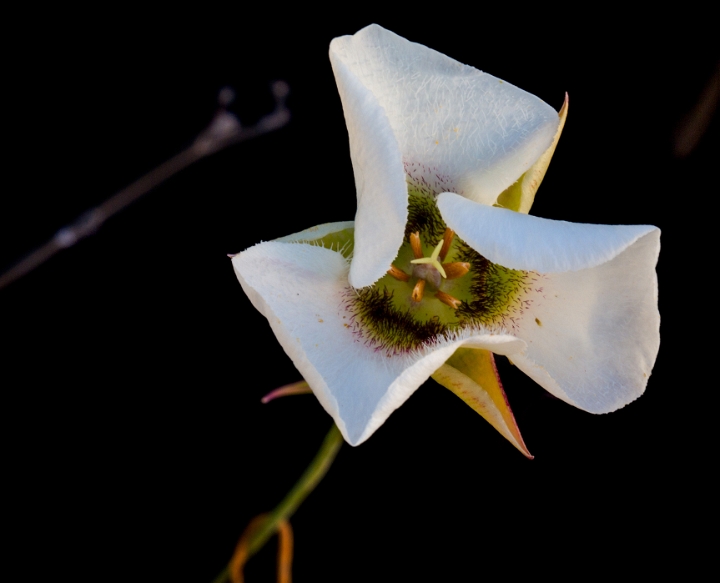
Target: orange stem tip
[[284, 556]]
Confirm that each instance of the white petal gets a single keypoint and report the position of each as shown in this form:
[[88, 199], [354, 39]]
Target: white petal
[[382, 196], [521, 241], [457, 126], [593, 335], [300, 289]]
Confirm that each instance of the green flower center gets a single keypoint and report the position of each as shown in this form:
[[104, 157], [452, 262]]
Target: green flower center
[[436, 287]]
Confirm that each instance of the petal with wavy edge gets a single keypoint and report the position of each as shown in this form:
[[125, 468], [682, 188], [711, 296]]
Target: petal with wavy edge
[[531, 243], [521, 195], [472, 375], [382, 196], [300, 289], [593, 335], [458, 125]]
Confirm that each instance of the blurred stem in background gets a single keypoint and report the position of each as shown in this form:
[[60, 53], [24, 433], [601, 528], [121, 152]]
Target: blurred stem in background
[[696, 122], [224, 130]]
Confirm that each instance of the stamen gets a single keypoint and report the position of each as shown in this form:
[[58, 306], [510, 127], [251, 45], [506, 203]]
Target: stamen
[[433, 259], [415, 244], [451, 301], [447, 241], [456, 269], [417, 292], [398, 274]]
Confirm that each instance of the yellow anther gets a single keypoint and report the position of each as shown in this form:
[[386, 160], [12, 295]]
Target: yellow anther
[[447, 241], [398, 274], [418, 290], [456, 269], [449, 300], [416, 246], [433, 259]]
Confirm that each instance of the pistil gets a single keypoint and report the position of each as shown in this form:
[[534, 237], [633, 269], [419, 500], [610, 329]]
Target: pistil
[[433, 259], [430, 269]]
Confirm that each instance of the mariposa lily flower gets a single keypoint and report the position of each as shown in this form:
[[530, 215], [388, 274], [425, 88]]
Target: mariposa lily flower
[[434, 276]]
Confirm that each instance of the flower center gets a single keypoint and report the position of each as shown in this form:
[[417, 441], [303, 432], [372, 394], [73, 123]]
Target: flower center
[[436, 287], [430, 270]]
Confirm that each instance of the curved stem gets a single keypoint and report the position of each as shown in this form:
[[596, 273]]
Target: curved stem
[[308, 481]]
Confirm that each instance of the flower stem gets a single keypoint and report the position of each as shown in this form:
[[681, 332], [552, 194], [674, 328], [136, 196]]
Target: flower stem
[[287, 507]]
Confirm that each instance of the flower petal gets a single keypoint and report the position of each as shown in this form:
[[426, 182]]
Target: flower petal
[[521, 241], [453, 123], [301, 289], [382, 196], [591, 322], [593, 335]]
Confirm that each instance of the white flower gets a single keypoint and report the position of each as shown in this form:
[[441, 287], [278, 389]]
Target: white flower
[[434, 144]]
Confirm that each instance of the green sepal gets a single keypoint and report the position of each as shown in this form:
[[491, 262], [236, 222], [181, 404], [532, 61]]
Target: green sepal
[[521, 195], [471, 374]]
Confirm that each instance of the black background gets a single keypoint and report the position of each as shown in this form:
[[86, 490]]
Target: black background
[[135, 443]]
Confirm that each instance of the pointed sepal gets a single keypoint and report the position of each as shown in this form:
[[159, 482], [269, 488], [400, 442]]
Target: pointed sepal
[[298, 388], [471, 374], [521, 195]]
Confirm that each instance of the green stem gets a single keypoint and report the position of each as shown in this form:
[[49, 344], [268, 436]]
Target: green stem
[[287, 507]]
